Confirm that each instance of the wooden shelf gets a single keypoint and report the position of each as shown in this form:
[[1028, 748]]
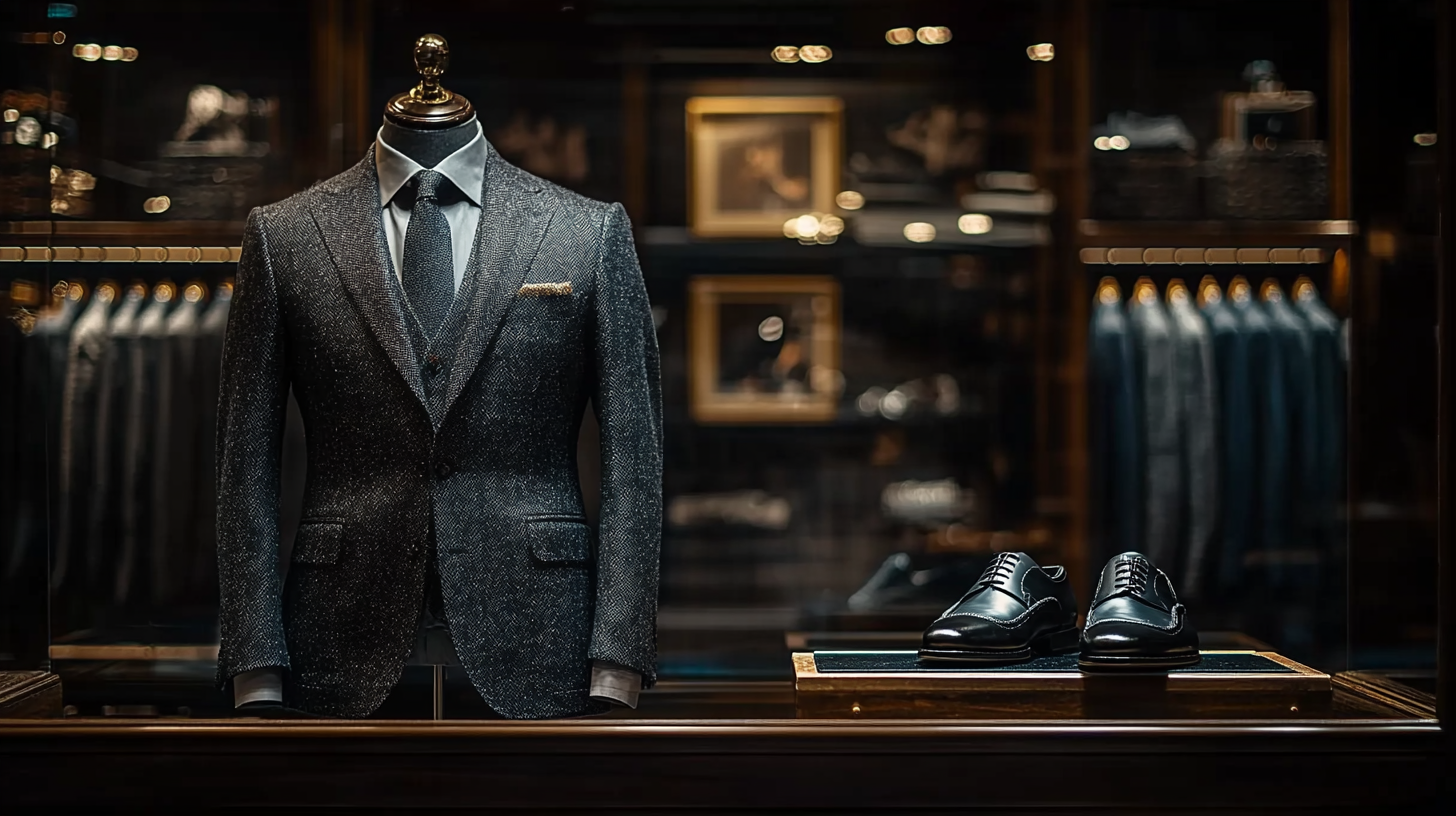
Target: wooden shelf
[[1335, 233], [102, 233]]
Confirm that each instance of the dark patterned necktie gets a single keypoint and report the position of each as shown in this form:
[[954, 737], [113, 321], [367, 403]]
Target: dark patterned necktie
[[429, 257]]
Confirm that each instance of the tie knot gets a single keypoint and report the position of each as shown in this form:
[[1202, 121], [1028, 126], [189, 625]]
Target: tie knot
[[427, 185]]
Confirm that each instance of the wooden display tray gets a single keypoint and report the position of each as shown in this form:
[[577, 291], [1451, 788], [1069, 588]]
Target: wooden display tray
[[1275, 687], [29, 695]]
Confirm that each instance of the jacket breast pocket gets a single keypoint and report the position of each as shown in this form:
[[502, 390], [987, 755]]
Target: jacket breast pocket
[[318, 541], [559, 541], [545, 308]]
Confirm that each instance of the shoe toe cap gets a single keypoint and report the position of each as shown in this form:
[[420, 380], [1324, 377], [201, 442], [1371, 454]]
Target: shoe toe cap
[[1132, 638], [966, 631]]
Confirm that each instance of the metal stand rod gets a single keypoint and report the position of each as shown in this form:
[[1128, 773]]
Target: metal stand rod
[[439, 692]]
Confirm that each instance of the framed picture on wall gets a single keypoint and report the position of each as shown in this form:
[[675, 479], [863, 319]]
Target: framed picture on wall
[[764, 349], [756, 161]]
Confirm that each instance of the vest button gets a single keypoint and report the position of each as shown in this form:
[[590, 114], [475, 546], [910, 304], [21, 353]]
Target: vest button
[[443, 469]]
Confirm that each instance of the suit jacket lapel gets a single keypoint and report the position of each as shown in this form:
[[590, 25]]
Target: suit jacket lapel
[[353, 230], [511, 228]]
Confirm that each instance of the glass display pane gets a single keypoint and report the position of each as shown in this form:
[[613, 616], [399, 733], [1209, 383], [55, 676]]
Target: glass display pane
[[1068, 340]]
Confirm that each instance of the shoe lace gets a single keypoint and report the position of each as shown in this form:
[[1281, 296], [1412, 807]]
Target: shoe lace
[[1131, 575], [999, 571]]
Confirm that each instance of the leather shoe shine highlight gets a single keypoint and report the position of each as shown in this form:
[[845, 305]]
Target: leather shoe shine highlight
[[1136, 620], [1014, 611]]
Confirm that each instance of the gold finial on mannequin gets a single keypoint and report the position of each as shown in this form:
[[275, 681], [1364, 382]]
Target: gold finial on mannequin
[[428, 105]]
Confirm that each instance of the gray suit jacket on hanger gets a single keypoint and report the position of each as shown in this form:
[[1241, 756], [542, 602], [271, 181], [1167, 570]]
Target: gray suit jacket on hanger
[[467, 445]]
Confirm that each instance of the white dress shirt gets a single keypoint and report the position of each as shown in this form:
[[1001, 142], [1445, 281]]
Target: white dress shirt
[[465, 168]]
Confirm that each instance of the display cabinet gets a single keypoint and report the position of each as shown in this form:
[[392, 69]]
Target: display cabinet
[[902, 262]]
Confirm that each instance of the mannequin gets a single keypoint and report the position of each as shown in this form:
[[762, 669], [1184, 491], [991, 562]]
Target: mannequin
[[428, 147], [432, 129]]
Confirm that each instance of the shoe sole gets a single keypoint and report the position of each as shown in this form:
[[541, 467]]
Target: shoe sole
[[1062, 641], [1137, 662]]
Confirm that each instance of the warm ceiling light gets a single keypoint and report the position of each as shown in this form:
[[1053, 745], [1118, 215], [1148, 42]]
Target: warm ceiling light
[[900, 36], [849, 200], [786, 53], [1422, 139], [89, 52], [974, 224], [157, 204], [111, 53], [816, 53], [920, 232], [831, 226], [58, 37], [1041, 52], [1119, 142], [933, 35], [806, 226], [129, 54], [11, 114], [49, 140], [1102, 143]]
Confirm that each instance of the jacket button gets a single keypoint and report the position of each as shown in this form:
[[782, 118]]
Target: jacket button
[[443, 469]]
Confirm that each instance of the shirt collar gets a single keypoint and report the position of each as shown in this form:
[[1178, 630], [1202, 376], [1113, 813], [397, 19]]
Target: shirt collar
[[465, 167]]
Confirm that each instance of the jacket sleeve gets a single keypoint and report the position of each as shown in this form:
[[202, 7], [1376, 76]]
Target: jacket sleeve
[[627, 396], [251, 412]]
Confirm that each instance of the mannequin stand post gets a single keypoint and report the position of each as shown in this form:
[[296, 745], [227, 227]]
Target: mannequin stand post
[[438, 696]]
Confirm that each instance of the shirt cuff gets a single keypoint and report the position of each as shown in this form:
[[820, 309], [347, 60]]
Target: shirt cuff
[[257, 686], [615, 684]]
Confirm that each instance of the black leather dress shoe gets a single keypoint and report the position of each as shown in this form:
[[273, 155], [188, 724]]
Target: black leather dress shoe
[[1015, 611], [1136, 620]]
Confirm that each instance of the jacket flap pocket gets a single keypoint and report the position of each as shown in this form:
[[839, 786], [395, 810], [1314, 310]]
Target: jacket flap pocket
[[318, 542], [559, 541]]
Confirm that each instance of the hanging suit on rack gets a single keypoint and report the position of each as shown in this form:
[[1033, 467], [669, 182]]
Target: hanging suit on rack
[[1156, 348], [1236, 439], [1271, 442], [1116, 452], [86, 356], [1329, 375], [1297, 344], [1197, 384], [174, 448], [52, 337], [104, 528], [210, 331], [138, 486]]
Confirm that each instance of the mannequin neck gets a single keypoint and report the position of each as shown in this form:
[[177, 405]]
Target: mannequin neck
[[427, 148]]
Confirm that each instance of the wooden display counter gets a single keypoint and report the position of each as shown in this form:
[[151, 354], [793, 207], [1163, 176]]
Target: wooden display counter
[[29, 695], [895, 684]]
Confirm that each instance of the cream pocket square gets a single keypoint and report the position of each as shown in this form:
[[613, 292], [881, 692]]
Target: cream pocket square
[[545, 289]]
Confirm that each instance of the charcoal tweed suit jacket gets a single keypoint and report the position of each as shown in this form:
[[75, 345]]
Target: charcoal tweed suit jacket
[[465, 445]]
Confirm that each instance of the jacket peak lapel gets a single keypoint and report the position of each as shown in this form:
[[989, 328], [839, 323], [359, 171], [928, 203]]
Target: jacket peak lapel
[[351, 228], [512, 226]]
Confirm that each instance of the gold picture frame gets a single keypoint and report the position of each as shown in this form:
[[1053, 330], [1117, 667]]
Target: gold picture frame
[[754, 162], [764, 349]]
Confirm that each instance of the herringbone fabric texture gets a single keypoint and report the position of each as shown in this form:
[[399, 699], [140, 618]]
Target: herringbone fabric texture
[[428, 257], [479, 444]]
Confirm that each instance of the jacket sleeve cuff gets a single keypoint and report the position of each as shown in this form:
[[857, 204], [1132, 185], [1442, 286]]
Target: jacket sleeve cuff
[[614, 684], [258, 685]]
